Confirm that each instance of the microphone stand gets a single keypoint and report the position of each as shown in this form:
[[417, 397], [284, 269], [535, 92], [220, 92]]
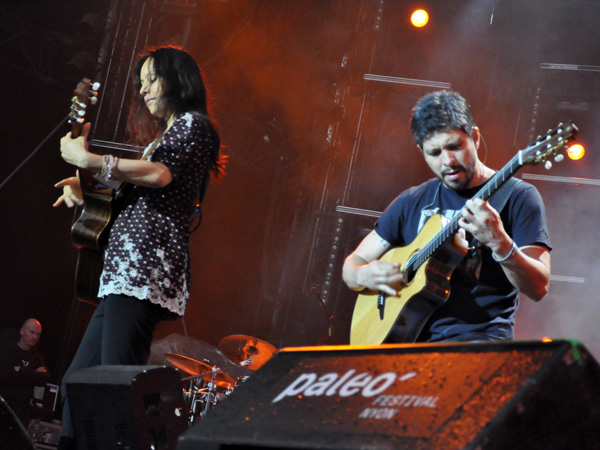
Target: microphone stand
[[329, 340]]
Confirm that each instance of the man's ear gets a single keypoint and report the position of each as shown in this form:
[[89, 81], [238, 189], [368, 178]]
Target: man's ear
[[476, 137]]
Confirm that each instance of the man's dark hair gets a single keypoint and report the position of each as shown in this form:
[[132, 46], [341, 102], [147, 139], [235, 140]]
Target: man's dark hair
[[439, 111]]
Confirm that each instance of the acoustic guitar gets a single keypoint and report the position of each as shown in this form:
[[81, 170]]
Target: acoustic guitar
[[90, 230], [428, 262]]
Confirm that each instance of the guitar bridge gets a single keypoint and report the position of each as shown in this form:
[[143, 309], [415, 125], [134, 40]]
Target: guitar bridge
[[381, 296]]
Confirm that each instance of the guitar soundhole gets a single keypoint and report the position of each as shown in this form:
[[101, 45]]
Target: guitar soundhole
[[409, 274]]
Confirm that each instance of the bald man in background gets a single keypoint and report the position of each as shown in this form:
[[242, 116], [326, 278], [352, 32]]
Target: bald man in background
[[21, 368]]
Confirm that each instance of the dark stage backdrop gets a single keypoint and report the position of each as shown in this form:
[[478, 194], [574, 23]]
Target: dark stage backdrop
[[313, 100]]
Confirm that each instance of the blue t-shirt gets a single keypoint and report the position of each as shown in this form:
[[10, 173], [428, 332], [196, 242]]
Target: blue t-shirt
[[482, 302]]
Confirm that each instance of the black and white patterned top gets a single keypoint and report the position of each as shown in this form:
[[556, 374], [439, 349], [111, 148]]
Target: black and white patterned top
[[147, 256]]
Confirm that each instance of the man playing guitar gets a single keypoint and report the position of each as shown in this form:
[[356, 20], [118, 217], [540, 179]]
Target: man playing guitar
[[506, 248]]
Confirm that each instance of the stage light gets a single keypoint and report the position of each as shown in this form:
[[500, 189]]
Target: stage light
[[419, 18], [576, 152]]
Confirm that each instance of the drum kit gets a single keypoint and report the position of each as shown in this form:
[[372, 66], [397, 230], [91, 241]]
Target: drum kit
[[205, 385]]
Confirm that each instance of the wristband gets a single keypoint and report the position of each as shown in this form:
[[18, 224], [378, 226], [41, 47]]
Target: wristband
[[510, 254]]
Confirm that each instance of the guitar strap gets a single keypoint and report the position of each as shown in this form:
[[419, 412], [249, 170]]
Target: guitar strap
[[500, 197], [197, 215], [204, 186]]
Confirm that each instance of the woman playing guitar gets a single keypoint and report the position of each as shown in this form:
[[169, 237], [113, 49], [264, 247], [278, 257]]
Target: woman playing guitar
[[146, 270]]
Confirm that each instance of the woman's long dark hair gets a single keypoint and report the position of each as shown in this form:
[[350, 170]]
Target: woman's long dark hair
[[183, 90]]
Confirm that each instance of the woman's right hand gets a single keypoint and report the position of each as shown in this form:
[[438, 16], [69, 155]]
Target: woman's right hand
[[72, 194]]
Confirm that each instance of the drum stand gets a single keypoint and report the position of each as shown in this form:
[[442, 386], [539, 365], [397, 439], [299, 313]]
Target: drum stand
[[211, 395]]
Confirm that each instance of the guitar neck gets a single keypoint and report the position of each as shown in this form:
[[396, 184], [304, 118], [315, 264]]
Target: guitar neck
[[441, 237], [499, 178]]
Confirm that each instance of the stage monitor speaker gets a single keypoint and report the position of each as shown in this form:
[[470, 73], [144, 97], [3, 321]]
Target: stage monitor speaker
[[484, 396], [13, 434], [126, 407]]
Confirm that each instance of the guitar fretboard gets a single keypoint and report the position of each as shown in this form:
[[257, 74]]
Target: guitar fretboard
[[447, 231], [116, 146]]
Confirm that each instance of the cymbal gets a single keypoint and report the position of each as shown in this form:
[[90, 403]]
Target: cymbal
[[240, 348], [197, 349], [195, 368]]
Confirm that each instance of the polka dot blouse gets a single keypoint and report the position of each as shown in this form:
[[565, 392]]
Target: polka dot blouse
[[147, 256]]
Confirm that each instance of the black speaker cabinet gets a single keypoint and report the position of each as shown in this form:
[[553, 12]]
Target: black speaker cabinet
[[484, 396], [126, 407]]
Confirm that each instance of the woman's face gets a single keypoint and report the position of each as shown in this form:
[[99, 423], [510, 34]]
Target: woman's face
[[151, 89]]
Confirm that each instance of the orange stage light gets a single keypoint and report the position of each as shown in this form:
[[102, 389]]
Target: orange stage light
[[576, 152], [419, 18]]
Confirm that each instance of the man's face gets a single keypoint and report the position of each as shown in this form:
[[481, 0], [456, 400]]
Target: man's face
[[452, 156], [30, 333]]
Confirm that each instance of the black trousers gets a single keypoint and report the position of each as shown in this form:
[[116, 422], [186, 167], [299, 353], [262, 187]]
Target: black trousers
[[119, 333]]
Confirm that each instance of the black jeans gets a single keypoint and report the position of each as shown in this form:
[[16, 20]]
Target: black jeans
[[119, 333]]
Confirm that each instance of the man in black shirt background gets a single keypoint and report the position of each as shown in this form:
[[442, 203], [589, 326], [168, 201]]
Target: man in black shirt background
[[21, 368]]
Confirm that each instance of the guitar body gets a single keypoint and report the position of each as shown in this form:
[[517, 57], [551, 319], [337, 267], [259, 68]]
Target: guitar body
[[89, 234], [407, 311]]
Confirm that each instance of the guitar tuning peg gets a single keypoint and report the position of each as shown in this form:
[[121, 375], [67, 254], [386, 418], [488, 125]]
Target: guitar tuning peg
[[558, 158], [95, 86], [548, 165], [94, 100]]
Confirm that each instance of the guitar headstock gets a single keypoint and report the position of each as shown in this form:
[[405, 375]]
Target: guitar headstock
[[85, 92], [547, 146]]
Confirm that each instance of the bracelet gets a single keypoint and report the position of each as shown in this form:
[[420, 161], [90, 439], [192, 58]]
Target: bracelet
[[104, 166], [510, 254], [109, 162]]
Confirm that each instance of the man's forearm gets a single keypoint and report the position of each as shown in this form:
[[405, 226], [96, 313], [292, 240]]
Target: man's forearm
[[350, 270], [529, 271]]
